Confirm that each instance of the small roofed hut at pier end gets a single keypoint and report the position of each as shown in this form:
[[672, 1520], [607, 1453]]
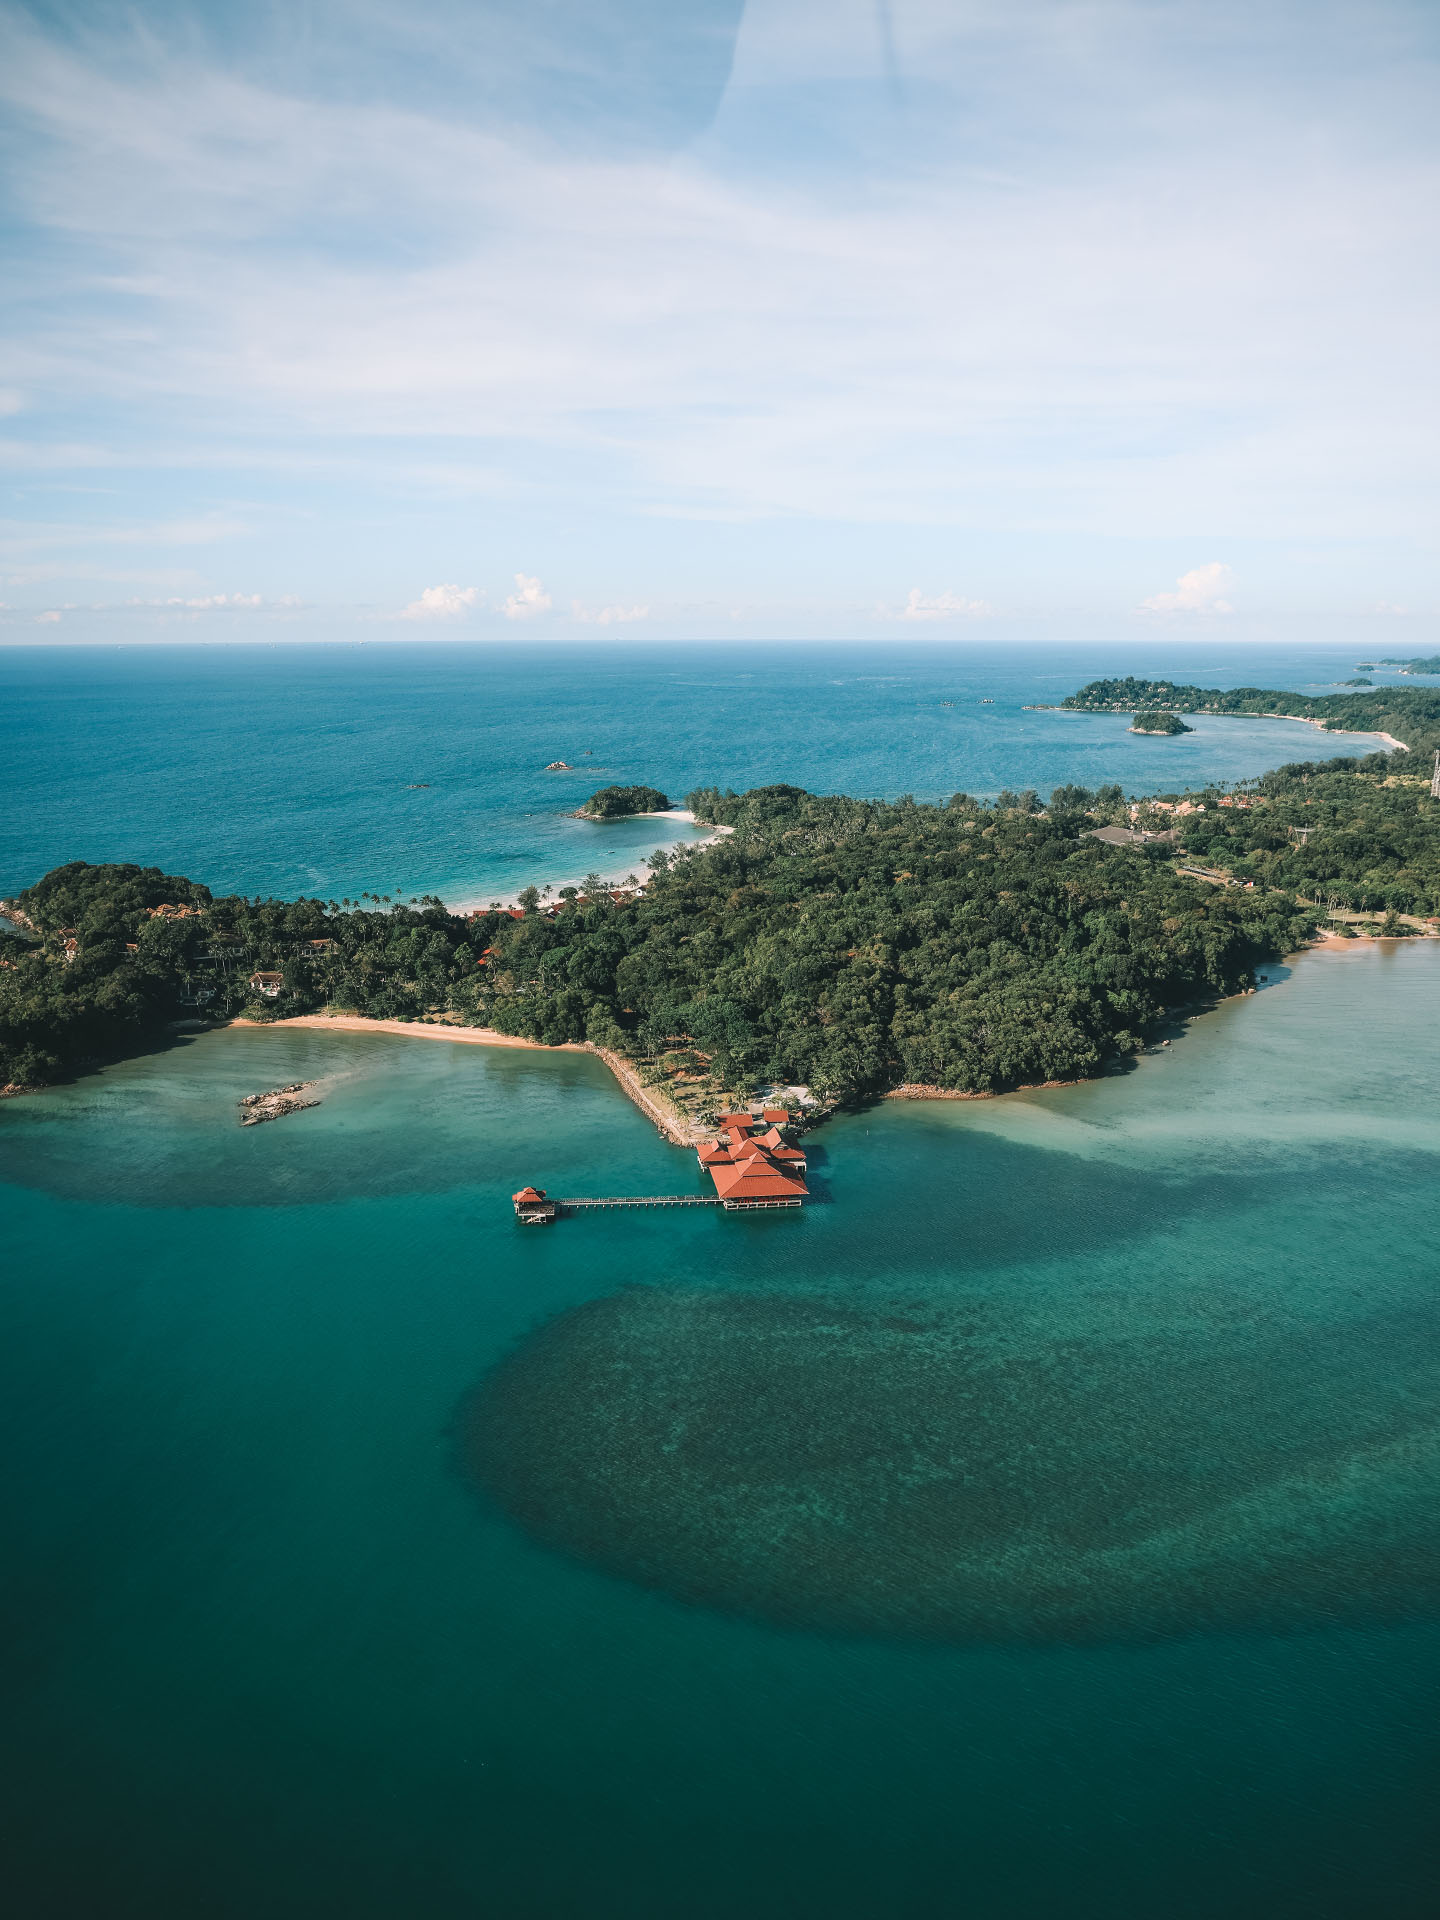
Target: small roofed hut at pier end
[[533, 1208]]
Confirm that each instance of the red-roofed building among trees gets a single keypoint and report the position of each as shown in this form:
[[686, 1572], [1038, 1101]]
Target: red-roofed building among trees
[[753, 1169]]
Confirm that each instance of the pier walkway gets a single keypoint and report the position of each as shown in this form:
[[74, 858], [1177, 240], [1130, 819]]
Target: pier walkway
[[648, 1200]]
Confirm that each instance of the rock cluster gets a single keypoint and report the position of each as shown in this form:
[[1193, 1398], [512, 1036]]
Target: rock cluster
[[255, 1107]]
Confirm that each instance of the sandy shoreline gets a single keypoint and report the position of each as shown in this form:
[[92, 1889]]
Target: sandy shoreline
[[672, 1124], [417, 1029], [1306, 720], [681, 814], [1300, 719]]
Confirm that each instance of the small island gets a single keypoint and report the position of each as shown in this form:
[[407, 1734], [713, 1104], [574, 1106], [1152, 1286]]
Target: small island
[[619, 803], [1159, 723]]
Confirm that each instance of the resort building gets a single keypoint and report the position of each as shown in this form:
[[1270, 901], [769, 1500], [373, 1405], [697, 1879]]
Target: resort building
[[271, 985], [752, 1163]]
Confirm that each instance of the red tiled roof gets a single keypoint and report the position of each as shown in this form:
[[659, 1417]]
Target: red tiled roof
[[777, 1116], [748, 1150], [528, 1194], [757, 1181]]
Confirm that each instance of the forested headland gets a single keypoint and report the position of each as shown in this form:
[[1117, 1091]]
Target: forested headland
[[1411, 714], [848, 945]]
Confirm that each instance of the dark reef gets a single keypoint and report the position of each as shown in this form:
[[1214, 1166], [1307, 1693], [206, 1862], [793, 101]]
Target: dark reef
[[939, 1472]]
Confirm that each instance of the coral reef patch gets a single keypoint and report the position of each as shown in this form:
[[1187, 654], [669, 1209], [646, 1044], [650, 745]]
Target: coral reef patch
[[938, 1471]]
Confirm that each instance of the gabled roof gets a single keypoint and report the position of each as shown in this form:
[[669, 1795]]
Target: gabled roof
[[777, 1116], [748, 1150], [757, 1180], [712, 1150], [528, 1195]]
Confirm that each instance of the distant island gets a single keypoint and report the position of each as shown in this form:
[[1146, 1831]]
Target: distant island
[[851, 946], [617, 803], [1405, 716], [1159, 723], [1429, 663]]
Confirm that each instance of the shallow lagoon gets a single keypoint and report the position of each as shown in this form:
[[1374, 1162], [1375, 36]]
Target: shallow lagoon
[[269, 1649]]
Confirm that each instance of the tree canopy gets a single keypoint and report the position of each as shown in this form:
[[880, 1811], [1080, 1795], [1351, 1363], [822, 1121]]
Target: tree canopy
[[614, 803], [846, 944]]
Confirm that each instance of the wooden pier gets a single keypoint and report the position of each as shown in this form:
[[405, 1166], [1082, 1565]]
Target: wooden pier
[[645, 1200], [535, 1208]]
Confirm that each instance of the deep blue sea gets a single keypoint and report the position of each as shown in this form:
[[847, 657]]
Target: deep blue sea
[[337, 770], [1041, 1526]]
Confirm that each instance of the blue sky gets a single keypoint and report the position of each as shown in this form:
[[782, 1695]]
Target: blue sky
[[747, 318]]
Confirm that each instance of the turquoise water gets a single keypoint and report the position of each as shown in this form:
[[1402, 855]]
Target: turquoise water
[[333, 770], [278, 1640], [1040, 1525]]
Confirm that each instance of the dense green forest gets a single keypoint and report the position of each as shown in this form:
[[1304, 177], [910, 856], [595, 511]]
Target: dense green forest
[[1154, 722], [1348, 835], [614, 803], [850, 945], [125, 950]]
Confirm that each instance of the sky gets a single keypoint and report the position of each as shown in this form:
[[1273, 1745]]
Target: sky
[[719, 319]]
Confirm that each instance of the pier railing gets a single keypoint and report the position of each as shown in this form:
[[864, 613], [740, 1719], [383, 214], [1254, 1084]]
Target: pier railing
[[645, 1200]]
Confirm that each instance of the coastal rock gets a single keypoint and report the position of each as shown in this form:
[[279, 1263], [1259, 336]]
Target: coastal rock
[[256, 1108], [937, 1472]]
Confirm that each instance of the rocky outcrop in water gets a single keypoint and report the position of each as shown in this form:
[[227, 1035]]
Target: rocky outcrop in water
[[258, 1107]]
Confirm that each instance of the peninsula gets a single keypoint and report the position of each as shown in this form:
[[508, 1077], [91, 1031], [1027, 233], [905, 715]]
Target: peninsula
[[849, 946]]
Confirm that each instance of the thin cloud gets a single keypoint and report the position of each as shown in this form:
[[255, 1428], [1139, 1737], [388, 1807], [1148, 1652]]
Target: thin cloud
[[1159, 274], [448, 602], [1198, 591], [943, 606], [528, 599], [608, 616]]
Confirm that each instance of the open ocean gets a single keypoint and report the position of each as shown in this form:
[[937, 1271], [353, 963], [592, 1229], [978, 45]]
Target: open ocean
[[336, 770], [331, 1586]]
